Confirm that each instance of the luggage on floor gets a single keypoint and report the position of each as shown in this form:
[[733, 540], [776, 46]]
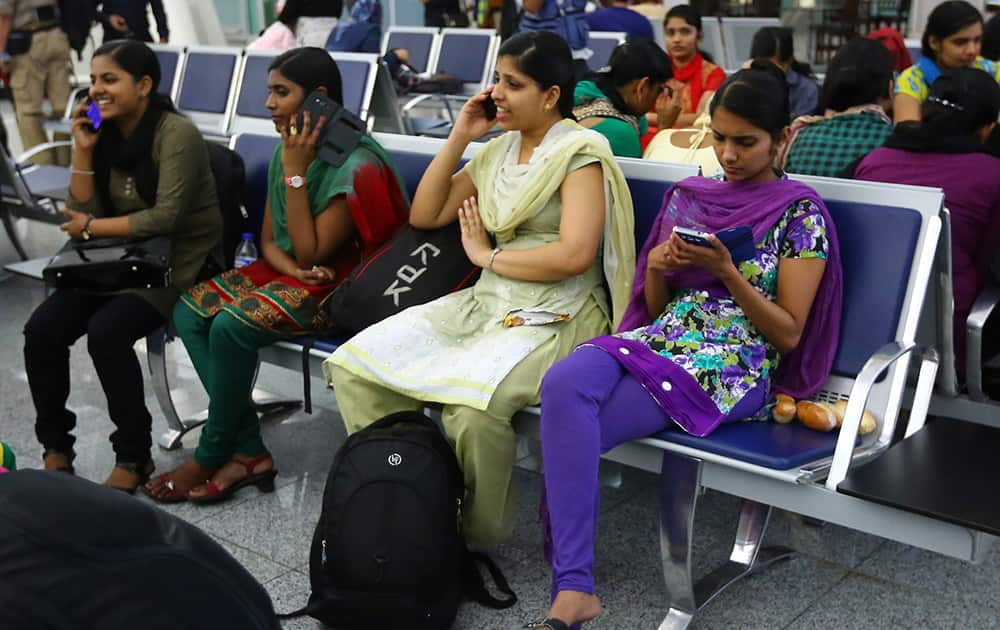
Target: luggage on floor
[[75, 554], [388, 550]]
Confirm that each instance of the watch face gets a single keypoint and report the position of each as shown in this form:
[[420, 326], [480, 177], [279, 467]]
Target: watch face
[[295, 181]]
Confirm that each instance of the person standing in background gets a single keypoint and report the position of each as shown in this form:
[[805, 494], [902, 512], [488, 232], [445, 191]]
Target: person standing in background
[[566, 19], [35, 52], [618, 16], [127, 19], [312, 21], [444, 13]]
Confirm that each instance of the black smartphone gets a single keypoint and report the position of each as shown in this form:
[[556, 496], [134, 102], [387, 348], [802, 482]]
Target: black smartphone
[[489, 108], [341, 132], [317, 104]]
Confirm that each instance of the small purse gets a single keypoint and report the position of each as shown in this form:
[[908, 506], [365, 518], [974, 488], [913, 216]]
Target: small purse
[[111, 264]]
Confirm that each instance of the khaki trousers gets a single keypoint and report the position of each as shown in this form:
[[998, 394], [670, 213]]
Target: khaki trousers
[[483, 441], [42, 72]]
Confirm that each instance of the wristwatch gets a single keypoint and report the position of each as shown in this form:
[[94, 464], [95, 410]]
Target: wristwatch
[[85, 232], [295, 181]]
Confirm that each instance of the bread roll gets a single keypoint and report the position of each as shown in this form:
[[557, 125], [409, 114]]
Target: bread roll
[[783, 410], [816, 416], [839, 408]]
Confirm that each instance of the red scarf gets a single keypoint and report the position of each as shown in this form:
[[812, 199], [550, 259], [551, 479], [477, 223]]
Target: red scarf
[[693, 79]]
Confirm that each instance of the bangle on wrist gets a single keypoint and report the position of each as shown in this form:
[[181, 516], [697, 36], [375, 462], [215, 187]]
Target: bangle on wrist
[[80, 171], [493, 256]]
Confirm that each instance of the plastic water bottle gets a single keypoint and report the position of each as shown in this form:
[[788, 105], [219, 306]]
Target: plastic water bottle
[[246, 253]]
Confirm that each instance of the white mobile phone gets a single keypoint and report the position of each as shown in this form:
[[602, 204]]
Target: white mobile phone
[[693, 237]]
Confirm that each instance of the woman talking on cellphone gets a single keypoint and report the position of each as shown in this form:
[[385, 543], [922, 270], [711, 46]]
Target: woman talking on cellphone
[[319, 221], [145, 172]]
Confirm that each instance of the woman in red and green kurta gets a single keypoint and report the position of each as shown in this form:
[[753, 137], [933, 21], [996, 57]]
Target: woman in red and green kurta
[[319, 222]]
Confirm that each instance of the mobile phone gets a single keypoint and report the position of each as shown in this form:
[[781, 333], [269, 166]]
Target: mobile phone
[[489, 108], [317, 104], [739, 242], [94, 114], [693, 237]]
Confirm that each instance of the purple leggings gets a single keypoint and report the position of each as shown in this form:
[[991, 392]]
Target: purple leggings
[[590, 404]]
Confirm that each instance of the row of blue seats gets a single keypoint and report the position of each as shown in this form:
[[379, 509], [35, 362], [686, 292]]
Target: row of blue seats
[[768, 465]]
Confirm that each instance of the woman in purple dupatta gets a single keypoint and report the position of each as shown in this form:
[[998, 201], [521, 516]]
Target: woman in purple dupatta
[[705, 340]]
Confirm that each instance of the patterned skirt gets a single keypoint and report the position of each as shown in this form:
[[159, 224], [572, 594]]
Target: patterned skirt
[[263, 299]]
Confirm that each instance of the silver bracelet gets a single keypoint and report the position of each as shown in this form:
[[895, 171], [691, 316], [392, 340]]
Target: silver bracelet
[[76, 171], [493, 255]]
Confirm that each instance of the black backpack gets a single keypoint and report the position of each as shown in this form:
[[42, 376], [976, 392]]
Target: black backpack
[[414, 267], [75, 554], [388, 550], [77, 17], [230, 182]]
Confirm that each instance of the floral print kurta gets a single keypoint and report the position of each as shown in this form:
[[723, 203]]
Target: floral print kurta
[[711, 338]]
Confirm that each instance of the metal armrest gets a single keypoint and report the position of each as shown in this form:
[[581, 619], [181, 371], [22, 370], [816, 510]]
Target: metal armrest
[[981, 310], [71, 102], [40, 148], [876, 366]]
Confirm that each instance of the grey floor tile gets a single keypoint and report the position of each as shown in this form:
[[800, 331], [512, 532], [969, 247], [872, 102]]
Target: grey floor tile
[[905, 565], [263, 569], [289, 592], [862, 602]]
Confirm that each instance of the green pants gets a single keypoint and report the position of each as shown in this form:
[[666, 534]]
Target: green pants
[[483, 441], [224, 352]]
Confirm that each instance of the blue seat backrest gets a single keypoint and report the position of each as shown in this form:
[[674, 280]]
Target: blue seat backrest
[[417, 44], [647, 197], [602, 47], [206, 82], [256, 151], [354, 76], [877, 245], [464, 56], [915, 54], [252, 98], [411, 166], [168, 68]]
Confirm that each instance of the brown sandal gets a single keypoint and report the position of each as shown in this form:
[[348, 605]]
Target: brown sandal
[[139, 470]]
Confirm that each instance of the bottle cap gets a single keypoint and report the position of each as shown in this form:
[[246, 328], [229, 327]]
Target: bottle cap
[[247, 236]]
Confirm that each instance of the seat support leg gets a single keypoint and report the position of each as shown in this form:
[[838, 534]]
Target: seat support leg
[[268, 406], [680, 483], [156, 356], [8, 225]]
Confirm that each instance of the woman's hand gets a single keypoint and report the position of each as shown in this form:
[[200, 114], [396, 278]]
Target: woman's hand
[[84, 136], [715, 259], [315, 276], [662, 257], [298, 146], [668, 107], [475, 240], [74, 226], [472, 122]]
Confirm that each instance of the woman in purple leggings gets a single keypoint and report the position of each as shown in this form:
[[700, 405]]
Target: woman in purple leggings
[[723, 330]]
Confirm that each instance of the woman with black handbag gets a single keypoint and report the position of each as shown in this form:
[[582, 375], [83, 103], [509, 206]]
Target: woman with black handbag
[[143, 172]]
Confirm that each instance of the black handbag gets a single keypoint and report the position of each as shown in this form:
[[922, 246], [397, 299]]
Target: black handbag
[[111, 264]]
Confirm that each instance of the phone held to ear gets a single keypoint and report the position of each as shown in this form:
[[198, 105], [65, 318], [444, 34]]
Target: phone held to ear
[[94, 114], [489, 108], [341, 132], [738, 240]]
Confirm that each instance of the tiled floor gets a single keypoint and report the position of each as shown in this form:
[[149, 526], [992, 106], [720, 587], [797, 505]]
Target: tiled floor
[[840, 578]]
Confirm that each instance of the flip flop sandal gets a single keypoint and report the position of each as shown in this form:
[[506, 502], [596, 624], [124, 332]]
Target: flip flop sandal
[[174, 496], [263, 480], [550, 622]]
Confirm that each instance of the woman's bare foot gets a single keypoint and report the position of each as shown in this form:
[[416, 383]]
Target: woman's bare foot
[[174, 485], [234, 471], [575, 607]]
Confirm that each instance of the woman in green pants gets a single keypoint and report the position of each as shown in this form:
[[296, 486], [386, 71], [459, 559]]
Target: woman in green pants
[[319, 222]]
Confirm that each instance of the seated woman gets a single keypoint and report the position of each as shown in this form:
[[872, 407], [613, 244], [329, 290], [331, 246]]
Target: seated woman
[[775, 43], [695, 77], [724, 334], [856, 93], [144, 173], [949, 150], [553, 196], [952, 39], [319, 221], [614, 101]]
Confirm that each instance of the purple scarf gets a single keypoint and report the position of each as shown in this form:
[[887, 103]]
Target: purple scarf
[[712, 206]]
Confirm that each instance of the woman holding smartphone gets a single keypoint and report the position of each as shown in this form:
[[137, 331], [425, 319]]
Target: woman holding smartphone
[[144, 173], [550, 192], [319, 221], [722, 335]]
